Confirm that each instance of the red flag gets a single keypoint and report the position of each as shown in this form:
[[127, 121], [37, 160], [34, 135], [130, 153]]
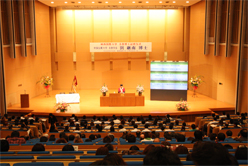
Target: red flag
[[75, 81]]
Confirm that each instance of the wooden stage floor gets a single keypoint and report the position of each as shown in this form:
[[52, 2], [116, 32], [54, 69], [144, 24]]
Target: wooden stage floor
[[90, 105]]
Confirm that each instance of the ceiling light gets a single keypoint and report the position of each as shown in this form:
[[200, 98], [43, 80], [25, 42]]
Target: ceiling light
[[106, 2], [187, 1], [65, 2], [79, 2], [93, 2], [160, 1], [133, 1], [120, 2], [147, 2], [52, 2], [174, 1]]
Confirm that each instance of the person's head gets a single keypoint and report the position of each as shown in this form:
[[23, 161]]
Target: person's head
[[102, 151], [198, 135], [15, 134], [243, 133], [229, 133], [92, 137], [171, 125], [121, 85], [221, 136], [161, 156], [146, 126], [112, 137], [71, 137], [107, 139], [148, 148], [43, 139], [193, 126], [241, 153], [131, 138], [167, 136], [135, 126], [134, 147], [114, 159], [181, 150], [209, 153], [112, 129], [212, 136], [38, 147], [180, 138], [68, 148], [4, 145], [109, 146], [120, 127], [52, 138], [156, 140]]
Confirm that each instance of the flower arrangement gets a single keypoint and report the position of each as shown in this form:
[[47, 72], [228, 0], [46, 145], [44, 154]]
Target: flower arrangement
[[104, 89], [182, 105], [195, 81], [62, 107], [46, 81], [140, 89]]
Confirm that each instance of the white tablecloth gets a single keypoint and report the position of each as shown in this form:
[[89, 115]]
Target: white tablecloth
[[68, 98]]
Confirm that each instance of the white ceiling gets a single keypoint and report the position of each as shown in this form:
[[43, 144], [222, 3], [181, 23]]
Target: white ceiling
[[115, 3]]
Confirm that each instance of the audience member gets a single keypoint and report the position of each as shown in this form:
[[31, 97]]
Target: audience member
[[212, 136], [71, 137], [243, 135], [180, 138], [198, 136], [52, 137], [68, 148], [241, 153], [161, 156], [43, 139], [148, 148], [38, 147], [107, 139], [16, 139], [109, 146], [114, 159], [4, 145], [193, 127], [78, 139], [181, 150], [221, 137], [102, 151], [131, 138], [209, 153]]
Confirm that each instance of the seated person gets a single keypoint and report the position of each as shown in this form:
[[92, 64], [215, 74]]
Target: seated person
[[16, 139], [121, 89]]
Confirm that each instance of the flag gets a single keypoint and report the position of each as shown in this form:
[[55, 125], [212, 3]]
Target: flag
[[75, 81]]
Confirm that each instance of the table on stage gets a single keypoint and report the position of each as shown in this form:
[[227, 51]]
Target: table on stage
[[67, 98], [117, 99]]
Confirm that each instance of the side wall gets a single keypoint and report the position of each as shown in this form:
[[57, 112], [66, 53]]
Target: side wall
[[215, 69], [22, 73]]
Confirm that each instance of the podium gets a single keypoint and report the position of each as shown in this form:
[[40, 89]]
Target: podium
[[24, 100]]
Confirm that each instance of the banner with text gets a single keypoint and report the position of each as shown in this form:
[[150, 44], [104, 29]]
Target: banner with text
[[121, 47]]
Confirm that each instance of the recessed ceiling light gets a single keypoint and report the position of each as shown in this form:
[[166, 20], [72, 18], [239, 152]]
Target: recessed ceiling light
[[52, 2], [106, 2], [160, 1], [133, 1], [93, 2], [147, 2], [187, 1], [174, 1], [120, 2], [79, 2], [65, 2]]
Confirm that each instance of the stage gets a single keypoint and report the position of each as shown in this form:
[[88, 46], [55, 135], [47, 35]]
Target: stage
[[90, 105]]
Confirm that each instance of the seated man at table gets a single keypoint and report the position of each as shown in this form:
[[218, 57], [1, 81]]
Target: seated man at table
[[121, 89]]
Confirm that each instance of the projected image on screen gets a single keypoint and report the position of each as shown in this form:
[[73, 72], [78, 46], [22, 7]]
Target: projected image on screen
[[169, 75]]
